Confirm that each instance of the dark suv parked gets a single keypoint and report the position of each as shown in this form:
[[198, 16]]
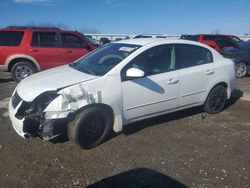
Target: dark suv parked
[[241, 57], [26, 50], [218, 42]]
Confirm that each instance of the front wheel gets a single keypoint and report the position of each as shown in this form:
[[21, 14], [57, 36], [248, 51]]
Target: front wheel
[[216, 100], [90, 127], [241, 69], [22, 70]]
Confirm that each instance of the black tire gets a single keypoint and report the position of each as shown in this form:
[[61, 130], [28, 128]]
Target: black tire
[[241, 69], [216, 100], [21, 70], [90, 127]]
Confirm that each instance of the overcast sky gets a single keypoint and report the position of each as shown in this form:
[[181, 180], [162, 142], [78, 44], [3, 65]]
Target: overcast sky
[[132, 16]]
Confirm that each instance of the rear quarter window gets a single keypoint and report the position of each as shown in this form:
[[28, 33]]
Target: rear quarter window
[[11, 38], [191, 55]]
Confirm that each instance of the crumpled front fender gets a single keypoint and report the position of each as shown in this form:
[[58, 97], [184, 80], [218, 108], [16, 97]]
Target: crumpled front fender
[[74, 98], [69, 100]]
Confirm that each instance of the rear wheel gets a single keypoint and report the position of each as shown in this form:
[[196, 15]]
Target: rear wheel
[[21, 70], [216, 100], [90, 127], [241, 69]]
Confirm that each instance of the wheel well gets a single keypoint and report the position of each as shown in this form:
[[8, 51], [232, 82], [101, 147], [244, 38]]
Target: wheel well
[[221, 83], [99, 105], [14, 61], [224, 84], [247, 63]]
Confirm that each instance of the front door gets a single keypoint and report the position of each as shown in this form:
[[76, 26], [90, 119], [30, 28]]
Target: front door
[[73, 47], [158, 90]]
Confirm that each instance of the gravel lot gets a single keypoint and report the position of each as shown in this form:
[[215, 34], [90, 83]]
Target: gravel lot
[[184, 149]]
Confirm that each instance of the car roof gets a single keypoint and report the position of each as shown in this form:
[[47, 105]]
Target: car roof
[[146, 41], [140, 41], [224, 35]]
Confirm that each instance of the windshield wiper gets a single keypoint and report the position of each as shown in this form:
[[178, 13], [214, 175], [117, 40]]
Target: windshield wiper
[[82, 68]]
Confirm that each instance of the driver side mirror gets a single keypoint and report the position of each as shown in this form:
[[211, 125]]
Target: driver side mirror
[[135, 73]]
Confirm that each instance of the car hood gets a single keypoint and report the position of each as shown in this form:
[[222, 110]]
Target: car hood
[[50, 80]]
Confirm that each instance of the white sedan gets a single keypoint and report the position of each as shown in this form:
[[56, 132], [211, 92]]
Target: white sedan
[[120, 83]]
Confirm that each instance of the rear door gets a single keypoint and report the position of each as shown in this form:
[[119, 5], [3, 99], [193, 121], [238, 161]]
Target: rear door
[[72, 47], [44, 48], [196, 73]]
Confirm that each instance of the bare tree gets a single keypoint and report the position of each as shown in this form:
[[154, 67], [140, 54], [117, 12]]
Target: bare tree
[[48, 24], [60, 26], [216, 31], [89, 30]]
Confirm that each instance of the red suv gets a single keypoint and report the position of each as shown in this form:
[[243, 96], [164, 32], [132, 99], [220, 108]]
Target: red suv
[[26, 50], [218, 42]]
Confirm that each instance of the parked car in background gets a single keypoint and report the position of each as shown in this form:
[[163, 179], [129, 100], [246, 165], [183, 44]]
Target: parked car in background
[[118, 39], [26, 50], [218, 42], [104, 40], [241, 57], [103, 90], [148, 36]]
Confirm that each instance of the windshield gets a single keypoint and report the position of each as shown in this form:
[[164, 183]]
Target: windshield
[[102, 60], [236, 39], [92, 41], [243, 46]]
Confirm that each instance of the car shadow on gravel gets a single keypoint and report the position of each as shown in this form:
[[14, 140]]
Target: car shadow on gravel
[[235, 96], [139, 177]]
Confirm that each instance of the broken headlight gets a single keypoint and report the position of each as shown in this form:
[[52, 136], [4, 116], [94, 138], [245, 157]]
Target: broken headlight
[[36, 107]]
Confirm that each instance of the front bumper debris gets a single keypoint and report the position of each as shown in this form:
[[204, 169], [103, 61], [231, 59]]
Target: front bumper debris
[[30, 125]]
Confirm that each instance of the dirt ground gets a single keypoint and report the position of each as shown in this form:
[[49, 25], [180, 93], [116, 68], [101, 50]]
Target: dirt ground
[[184, 149]]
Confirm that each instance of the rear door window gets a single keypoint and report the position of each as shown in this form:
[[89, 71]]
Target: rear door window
[[11, 38], [191, 55], [44, 39]]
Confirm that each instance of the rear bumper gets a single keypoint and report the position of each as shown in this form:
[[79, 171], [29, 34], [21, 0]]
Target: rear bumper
[[231, 87]]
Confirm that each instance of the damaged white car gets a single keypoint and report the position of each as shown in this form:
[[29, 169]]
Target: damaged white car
[[120, 83]]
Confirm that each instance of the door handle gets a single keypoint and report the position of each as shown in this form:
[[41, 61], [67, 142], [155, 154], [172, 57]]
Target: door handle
[[208, 72], [33, 50], [172, 81], [67, 51]]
